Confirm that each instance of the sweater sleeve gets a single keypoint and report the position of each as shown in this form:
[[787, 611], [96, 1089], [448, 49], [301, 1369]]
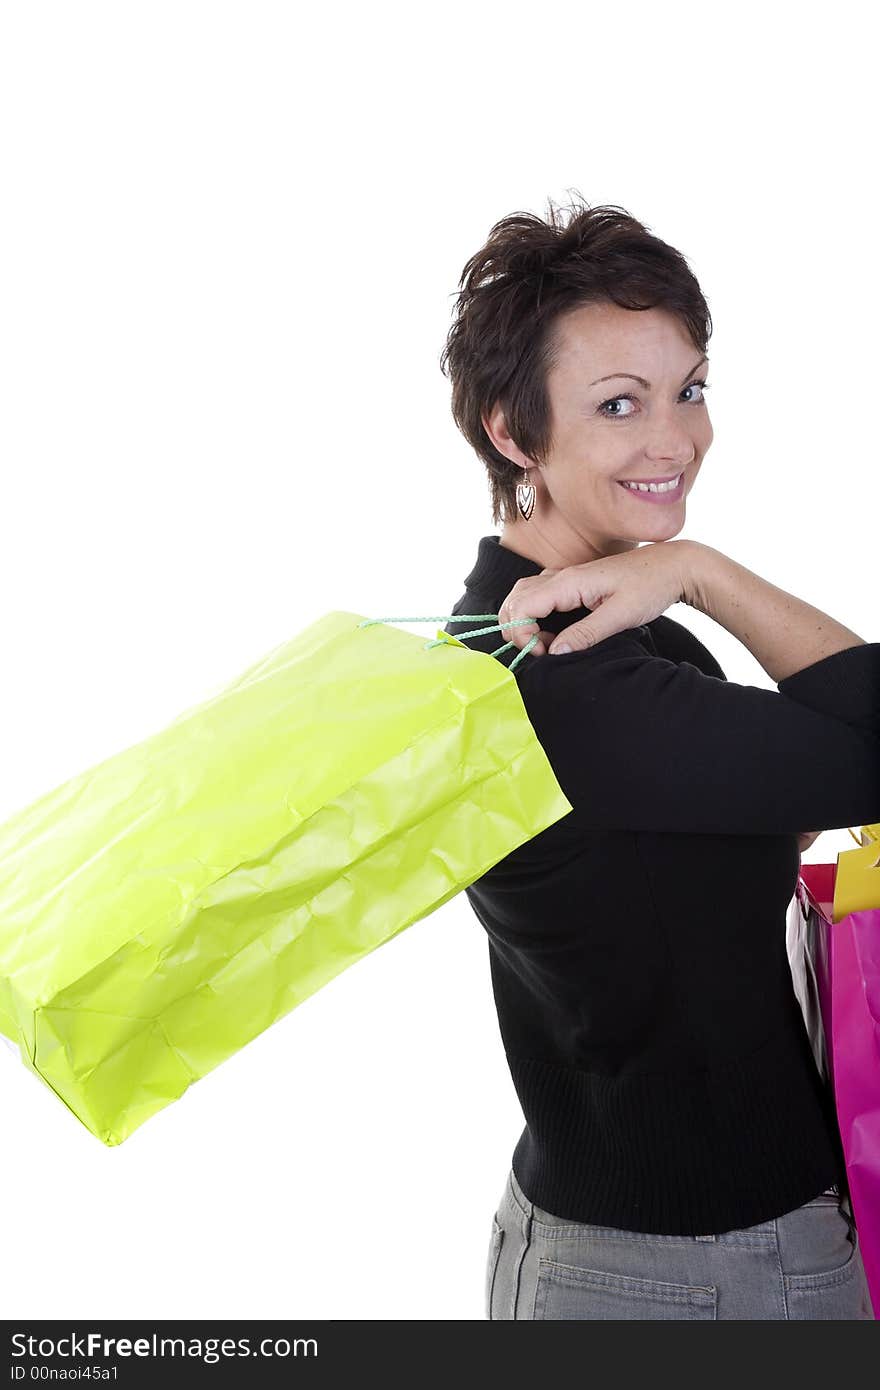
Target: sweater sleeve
[[638, 742], [677, 643]]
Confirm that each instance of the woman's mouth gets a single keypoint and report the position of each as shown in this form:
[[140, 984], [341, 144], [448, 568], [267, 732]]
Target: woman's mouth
[[659, 490]]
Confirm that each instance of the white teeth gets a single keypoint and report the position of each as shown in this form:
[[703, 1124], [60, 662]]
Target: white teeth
[[655, 487]]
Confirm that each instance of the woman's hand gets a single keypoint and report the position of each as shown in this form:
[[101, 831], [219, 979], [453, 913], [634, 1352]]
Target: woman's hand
[[624, 591]]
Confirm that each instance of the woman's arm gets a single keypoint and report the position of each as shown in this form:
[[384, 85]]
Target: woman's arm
[[782, 632], [806, 838]]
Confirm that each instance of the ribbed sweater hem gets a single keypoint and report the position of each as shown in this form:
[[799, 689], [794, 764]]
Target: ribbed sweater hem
[[694, 1153]]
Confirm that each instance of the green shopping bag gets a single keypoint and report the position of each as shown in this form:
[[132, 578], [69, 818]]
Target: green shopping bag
[[160, 910]]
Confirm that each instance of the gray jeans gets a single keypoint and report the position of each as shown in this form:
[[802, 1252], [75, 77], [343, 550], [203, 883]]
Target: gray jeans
[[803, 1265]]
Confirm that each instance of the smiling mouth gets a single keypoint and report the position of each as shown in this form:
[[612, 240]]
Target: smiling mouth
[[658, 490]]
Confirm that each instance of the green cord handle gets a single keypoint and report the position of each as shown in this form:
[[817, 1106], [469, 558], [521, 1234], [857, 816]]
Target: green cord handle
[[474, 632]]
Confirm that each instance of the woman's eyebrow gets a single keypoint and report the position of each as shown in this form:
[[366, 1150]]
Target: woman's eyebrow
[[641, 380]]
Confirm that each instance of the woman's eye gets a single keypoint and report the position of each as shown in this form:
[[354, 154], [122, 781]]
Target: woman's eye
[[625, 415], [703, 385], [615, 400]]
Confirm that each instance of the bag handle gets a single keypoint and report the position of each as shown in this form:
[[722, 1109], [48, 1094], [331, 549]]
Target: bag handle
[[872, 832], [474, 632]]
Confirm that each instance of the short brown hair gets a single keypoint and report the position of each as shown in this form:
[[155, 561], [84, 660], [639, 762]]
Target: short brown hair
[[530, 271]]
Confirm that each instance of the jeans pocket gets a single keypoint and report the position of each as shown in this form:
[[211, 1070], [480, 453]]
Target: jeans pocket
[[571, 1292], [839, 1291], [492, 1264]]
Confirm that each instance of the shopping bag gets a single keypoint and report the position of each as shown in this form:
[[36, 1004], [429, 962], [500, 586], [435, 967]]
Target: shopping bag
[[835, 962], [163, 908]]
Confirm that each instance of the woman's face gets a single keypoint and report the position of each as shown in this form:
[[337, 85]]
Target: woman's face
[[658, 428]]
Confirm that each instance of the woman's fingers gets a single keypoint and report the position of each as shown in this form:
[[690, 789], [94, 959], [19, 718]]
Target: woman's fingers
[[621, 591], [521, 635], [534, 597], [542, 645], [606, 618]]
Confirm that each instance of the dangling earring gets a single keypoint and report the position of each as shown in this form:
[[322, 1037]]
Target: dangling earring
[[525, 497]]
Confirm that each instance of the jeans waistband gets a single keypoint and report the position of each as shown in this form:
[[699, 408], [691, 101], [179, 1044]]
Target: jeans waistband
[[762, 1231]]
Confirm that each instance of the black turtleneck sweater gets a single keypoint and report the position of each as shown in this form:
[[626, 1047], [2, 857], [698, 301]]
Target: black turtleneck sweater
[[637, 946]]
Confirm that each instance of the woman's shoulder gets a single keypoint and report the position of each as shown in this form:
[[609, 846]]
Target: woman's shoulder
[[676, 642], [663, 637]]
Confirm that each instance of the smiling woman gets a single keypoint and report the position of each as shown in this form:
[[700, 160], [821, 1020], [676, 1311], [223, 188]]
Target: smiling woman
[[592, 454], [547, 315], [680, 1158]]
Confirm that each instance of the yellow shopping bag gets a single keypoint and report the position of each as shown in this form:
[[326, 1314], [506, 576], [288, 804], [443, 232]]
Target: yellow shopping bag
[[160, 910]]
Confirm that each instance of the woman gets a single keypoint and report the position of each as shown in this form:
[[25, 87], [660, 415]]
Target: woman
[[680, 1157]]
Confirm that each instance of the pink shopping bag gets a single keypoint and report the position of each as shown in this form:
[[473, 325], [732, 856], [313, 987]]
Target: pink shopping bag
[[836, 973]]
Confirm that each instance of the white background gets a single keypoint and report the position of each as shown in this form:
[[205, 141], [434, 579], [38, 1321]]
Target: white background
[[231, 237]]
